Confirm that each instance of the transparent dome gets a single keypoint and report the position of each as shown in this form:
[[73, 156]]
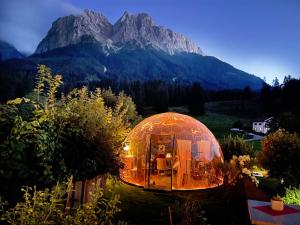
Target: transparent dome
[[171, 151]]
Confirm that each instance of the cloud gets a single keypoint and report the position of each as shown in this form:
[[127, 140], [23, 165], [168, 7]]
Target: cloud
[[25, 23]]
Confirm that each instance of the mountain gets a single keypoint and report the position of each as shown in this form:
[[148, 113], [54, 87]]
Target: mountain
[[7, 51], [138, 29], [88, 48]]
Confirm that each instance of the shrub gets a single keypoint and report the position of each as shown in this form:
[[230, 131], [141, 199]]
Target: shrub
[[48, 207], [271, 186], [292, 195], [188, 213], [281, 156], [236, 145]]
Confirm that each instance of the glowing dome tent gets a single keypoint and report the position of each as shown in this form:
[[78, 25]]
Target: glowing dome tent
[[171, 151]]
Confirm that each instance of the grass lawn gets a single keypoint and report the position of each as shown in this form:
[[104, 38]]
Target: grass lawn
[[220, 124], [145, 207], [256, 145]]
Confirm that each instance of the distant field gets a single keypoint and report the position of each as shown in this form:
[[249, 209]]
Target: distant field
[[219, 124]]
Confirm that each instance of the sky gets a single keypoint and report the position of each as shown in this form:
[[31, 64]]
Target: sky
[[261, 37]]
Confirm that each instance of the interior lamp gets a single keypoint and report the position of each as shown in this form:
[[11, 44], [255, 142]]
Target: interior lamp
[[168, 155], [126, 148]]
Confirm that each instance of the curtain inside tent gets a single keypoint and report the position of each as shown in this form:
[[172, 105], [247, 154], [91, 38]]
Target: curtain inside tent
[[184, 162], [204, 150]]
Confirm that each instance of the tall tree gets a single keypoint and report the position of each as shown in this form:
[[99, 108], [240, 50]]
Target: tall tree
[[196, 99]]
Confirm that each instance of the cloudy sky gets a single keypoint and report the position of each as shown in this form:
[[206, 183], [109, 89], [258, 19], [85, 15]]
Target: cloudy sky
[[261, 37]]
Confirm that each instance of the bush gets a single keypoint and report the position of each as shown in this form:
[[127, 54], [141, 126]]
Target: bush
[[189, 213], [48, 207], [292, 196], [281, 156], [236, 145], [45, 139], [271, 186], [237, 168]]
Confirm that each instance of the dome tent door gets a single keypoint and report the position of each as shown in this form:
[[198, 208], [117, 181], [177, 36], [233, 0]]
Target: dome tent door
[[159, 158]]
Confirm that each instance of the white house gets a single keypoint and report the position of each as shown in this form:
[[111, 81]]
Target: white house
[[263, 126]]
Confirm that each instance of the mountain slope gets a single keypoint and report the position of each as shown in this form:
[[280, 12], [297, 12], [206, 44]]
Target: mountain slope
[[132, 63], [8, 51]]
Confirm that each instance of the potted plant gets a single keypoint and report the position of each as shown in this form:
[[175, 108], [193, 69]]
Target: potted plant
[[277, 203]]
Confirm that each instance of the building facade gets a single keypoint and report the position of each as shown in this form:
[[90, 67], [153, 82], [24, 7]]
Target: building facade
[[262, 126]]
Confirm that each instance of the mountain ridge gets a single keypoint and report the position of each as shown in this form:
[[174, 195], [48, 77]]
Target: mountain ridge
[[8, 51], [138, 28]]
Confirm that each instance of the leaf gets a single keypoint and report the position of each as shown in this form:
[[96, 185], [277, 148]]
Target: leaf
[[15, 101]]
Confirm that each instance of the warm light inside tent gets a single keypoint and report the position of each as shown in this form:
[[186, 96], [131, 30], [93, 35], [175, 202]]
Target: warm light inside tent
[[126, 148], [171, 151]]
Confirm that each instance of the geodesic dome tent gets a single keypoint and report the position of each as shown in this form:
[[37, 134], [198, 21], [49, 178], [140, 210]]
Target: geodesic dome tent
[[171, 151]]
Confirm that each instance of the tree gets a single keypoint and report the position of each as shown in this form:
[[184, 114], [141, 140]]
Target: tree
[[44, 139], [247, 93], [160, 97], [275, 82], [92, 133], [196, 99], [281, 156], [138, 96], [238, 124]]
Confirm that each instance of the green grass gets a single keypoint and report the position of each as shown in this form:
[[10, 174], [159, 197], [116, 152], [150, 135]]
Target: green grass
[[256, 145], [144, 207], [220, 124]]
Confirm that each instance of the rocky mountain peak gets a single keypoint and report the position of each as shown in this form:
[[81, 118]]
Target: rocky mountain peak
[[139, 29]]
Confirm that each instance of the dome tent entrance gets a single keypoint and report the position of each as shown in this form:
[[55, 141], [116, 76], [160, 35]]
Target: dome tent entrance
[[171, 151]]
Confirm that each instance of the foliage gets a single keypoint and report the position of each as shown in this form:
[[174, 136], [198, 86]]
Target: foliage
[[238, 124], [286, 120], [112, 100], [236, 145], [91, 132], [196, 99], [160, 97], [281, 156], [271, 186], [237, 168], [292, 196], [29, 141], [189, 212], [44, 139], [48, 207]]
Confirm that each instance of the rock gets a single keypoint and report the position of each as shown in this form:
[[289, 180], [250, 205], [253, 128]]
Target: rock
[[137, 30]]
